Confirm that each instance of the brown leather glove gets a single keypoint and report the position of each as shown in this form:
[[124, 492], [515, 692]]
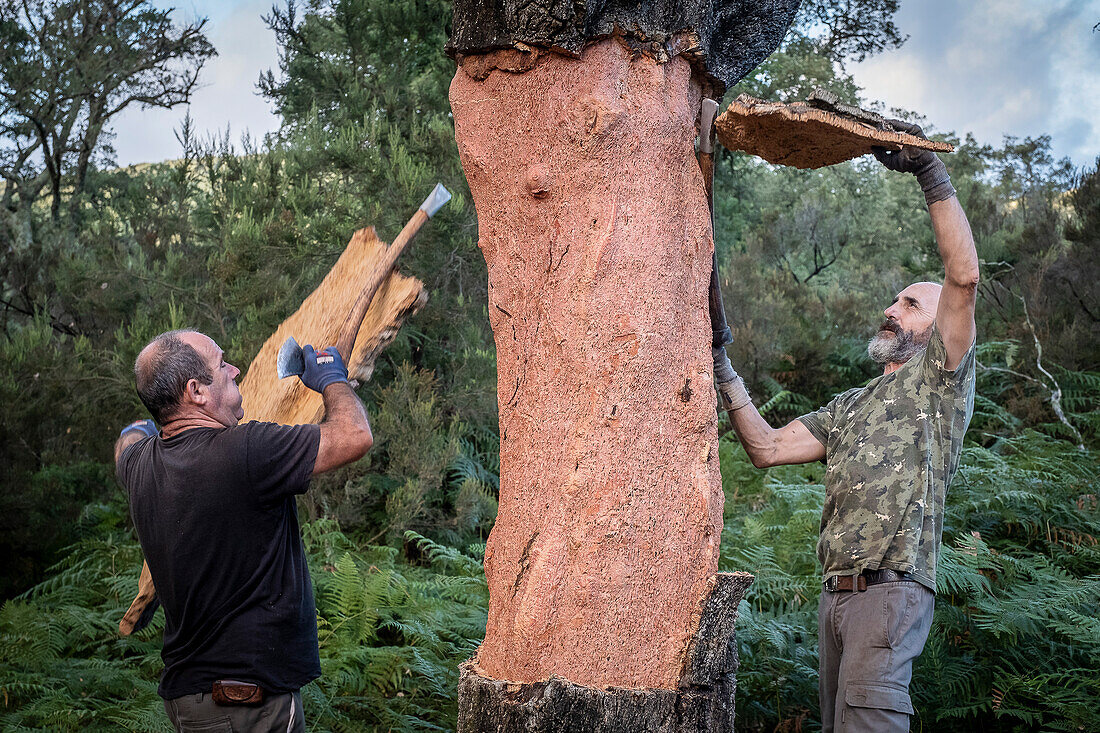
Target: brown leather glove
[[930, 171]]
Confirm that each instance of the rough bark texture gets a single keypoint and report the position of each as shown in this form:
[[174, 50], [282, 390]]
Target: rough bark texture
[[802, 136], [725, 39], [702, 702], [594, 225]]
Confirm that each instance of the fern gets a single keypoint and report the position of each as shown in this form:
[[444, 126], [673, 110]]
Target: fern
[[1015, 643]]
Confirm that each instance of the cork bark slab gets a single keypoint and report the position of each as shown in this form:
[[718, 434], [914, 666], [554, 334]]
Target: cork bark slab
[[594, 225], [318, 321], [802, 136]]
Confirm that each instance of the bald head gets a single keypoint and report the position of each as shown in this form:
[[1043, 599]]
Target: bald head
[[926, 293], [165, 366], [908, 324]]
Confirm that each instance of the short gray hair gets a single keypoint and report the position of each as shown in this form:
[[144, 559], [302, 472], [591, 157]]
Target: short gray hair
[[163, 374]]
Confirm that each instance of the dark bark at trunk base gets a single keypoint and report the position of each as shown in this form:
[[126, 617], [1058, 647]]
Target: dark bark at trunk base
[[704, 700]]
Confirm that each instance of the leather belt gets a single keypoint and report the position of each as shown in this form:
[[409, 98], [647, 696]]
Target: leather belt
[[856, 583]]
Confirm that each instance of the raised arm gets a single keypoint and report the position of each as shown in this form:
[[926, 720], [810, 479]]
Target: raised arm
[[955, 312], [345, 430], [765, 445]]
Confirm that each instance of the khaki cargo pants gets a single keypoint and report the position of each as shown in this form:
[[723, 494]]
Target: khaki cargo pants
[[867, 643], [200, 714]]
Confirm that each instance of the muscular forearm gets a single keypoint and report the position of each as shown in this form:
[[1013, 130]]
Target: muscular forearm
[[345, 431], [343, 406], [756, 435], [955, 242], [767, 446], [764, 445]]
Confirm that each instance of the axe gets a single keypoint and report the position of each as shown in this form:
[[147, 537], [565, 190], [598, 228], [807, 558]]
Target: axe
[[291, 362]]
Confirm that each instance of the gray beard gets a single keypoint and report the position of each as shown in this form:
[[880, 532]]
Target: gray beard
[[900, 349]]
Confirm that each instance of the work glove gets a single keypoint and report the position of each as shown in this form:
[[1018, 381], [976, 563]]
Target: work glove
[[322, 368], [930, 171], [145, 427], [731, 388]]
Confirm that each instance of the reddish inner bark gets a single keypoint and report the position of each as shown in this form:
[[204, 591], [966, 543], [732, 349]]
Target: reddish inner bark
[[594, 225]]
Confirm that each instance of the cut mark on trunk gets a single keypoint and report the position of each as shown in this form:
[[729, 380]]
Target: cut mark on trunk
[[562, 257], [524, 562], [685, 391]]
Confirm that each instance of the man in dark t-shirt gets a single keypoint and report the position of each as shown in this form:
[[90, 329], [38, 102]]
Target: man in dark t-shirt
[[214, 506]]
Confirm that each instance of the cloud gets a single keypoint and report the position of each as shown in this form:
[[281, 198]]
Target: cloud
[[996, 68], [989, 67], [227, 94]]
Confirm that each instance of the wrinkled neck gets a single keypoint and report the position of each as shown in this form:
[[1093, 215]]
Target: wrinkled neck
[[177, 425]]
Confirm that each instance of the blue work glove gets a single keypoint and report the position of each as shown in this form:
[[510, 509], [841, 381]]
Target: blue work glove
[[322, 368], [930, 171], [145, 427]]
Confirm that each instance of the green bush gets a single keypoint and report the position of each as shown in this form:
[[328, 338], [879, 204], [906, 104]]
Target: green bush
[[1015, 642]]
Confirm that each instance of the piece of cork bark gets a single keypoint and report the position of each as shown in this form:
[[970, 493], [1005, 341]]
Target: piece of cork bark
[[802, 136], [318, 322]]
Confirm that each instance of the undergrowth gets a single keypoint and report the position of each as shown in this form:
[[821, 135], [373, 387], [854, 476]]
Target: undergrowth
[[391, 631]]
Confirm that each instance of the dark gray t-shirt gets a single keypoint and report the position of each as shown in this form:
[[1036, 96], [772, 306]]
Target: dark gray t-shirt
[[218, 523], [892, 448]]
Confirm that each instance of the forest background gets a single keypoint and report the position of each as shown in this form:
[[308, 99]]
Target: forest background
[[232, 235]]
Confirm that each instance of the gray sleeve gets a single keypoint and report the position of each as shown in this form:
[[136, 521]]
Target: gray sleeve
[[820, 422]]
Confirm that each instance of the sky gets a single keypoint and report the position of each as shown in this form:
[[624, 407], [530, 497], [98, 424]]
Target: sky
[[996, 68], [227, 84], [988, 67]]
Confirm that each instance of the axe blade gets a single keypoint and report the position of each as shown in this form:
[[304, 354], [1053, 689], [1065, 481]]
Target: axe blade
[[290, 361]]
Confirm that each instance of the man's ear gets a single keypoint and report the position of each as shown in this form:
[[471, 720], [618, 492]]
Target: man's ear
[[195, 392]]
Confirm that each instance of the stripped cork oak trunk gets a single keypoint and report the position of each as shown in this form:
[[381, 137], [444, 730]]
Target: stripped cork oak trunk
[[606, 611]]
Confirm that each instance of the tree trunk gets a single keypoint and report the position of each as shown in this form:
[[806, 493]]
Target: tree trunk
[[594, 224], [577, 140]]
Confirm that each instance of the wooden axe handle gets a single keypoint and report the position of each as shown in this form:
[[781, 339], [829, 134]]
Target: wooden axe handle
[[720, 332], [346, 340]]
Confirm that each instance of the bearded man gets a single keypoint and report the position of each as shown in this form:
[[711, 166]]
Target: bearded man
[[891, 448]]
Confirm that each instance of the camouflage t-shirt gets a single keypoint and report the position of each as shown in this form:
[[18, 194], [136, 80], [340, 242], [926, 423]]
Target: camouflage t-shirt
[[892, 448]]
